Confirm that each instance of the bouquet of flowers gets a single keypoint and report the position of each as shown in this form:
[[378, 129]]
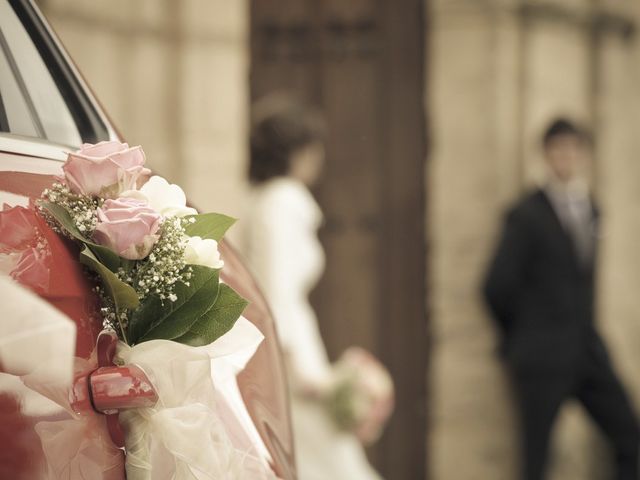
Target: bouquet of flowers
[[360, 397], [156, 260]]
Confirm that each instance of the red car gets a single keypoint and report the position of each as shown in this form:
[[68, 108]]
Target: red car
[[46, 110]]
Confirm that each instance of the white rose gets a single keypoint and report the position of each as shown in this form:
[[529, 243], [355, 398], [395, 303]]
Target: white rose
[[165, 198], [204, 252]]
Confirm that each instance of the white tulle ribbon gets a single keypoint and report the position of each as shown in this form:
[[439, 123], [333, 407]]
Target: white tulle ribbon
[[29, 324], [184, 437], [37, 346]]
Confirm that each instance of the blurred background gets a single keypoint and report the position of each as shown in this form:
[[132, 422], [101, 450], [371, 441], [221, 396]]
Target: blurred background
[[435, 109]]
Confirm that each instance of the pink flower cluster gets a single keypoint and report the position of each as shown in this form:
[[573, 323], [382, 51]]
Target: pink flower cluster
[[126, 225]]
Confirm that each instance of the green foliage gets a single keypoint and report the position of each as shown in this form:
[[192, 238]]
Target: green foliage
[[123, 295], [164, 319], [209, 225], [202, 311], [216, 321], [339, 404], [106, 256]]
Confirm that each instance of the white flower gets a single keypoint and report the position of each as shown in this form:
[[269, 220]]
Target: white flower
[[165, 198], [204, 252]]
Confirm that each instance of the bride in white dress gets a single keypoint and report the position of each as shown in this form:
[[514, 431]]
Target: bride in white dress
[[281, 246]]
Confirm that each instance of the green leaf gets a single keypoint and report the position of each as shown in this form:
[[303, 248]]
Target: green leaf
[[217, 321], [124, 296], [106, 256], [157, 320], [209, 225]]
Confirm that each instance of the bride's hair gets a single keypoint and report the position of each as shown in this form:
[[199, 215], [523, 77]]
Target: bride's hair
[[280, 126]]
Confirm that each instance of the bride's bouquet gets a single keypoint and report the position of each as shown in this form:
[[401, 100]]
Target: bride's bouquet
[[360, 397]]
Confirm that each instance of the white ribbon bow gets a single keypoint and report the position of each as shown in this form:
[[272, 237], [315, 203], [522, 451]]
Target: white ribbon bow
[[183, 437]]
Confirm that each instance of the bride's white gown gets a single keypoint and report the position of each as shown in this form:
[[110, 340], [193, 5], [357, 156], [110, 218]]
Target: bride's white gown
[[281, 245]]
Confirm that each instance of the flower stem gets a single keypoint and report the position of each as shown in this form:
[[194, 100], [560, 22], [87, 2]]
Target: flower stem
[[122, 330]]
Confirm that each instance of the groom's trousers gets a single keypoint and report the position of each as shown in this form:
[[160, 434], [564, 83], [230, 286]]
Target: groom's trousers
[[596, 386]]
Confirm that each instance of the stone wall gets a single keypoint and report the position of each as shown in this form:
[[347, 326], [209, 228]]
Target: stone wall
[[498, 72], [174, 78]]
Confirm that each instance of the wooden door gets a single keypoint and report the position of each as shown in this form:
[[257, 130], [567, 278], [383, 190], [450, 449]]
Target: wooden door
[[362, 62]]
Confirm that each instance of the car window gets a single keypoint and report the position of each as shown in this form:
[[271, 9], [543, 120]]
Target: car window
[[16, 117], [35, 102]]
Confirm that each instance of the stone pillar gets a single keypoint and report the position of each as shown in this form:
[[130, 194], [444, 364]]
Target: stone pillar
[[474, 103], [215, 102]]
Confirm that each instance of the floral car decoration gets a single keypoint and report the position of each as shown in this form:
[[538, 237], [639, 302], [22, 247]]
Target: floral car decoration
[[156, 259], [153, 264]]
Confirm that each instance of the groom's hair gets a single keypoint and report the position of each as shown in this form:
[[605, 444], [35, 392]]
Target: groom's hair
[[561, 127], [280, 126]]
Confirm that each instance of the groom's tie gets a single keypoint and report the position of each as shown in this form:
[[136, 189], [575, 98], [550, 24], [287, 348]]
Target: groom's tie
[[578, 220]]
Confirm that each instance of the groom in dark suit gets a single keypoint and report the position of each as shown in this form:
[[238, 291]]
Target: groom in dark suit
[[540, 290]]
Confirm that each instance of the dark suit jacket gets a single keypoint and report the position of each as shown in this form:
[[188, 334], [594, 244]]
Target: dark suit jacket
[[540, 294]]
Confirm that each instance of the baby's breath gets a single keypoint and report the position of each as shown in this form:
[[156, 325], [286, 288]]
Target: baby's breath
[[111, 318], [82, 208], [159, 273]]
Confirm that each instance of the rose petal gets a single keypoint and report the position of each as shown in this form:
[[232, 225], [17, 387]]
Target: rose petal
[[166, 198], [127, 226], [203, 252], [103, 149], [105, 169], [141, 250], [132, 157]]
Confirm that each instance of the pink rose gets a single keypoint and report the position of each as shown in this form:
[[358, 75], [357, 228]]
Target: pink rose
[[105, 169], [127, 226]]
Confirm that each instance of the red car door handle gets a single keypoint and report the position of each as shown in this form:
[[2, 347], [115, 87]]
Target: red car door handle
[[114, 388], [111, 388]]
